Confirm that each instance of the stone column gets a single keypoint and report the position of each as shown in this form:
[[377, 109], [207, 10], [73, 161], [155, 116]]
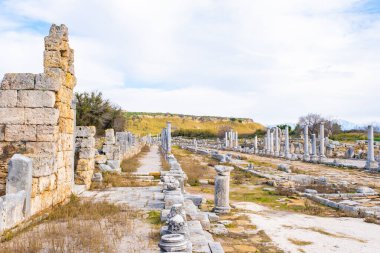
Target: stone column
[[314, 156], [271, 143], [306, 156], [226, 139], [322, 155], [236, 139], [255, 144], [276, 142], [371, 163], [286, 148], [169, 136], [222, 189]]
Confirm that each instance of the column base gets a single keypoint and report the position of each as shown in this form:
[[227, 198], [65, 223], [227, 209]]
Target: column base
[[314, 159], [322, 159], [372, 165], [222, 209], [306, 158]]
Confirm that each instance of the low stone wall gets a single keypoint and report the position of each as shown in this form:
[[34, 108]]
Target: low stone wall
[[85, 153]]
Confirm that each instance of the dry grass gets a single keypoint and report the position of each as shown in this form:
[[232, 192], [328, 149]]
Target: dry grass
[[131, 164], [82, 226], [118, 180], [195, 166]]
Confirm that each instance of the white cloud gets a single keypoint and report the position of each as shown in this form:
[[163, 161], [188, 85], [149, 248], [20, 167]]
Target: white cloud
[[270, 60]]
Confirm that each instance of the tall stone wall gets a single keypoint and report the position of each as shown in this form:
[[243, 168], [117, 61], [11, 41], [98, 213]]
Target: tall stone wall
[[37, 120]]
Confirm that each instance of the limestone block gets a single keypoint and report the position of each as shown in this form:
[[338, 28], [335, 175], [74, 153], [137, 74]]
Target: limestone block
[[65, 95], [110, 136], [47, 133], [71, 81], [41, 116], [20, 133], [87, 153], [68, 158], [114, 164], [52, 79], [34, 187], [65, 110], [85, 131], [14, 208], [66, 140], [41, 202], [2, 132], [12, 116], [85, 164], [43, 184], [60, 31], [19, 178], [62, 176], [35, 98], [52, 59], [60, 161], [54, 43], [87, 142], [18, 81], [2, 215], [99, 159], [8, 98], [85, 177], [41, 149], [66, 125], [44, 166]]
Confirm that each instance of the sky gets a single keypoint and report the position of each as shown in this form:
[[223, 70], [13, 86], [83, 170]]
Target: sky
[[269, 60]]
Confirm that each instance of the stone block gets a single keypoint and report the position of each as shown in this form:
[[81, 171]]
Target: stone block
[[110, 136], [12, 116], [87, 153], [52, 79], [41, 149], [41, 116], [47, 133], [71, 81], [66, 141], [66, 125], [14, 208], [44, 166], [65, 95], [19, 178], [100, 159], [85, 164], [85, 131], [105, 168], [114, 164], [43, 184], [20, 133], [8, 98], [215, 247], [2, 132], [87, 142], [52, 59], [18, 81], [65, 110], [35, 98]]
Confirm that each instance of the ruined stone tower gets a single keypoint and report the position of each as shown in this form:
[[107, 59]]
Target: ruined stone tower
[[37, 120]]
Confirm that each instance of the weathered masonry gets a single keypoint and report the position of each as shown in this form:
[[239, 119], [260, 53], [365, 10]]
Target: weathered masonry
[[37, 124]]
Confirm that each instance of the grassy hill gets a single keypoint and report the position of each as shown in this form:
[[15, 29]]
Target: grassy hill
[[144, 123]]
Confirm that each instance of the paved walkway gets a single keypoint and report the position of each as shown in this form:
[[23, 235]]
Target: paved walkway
[[151, 162]]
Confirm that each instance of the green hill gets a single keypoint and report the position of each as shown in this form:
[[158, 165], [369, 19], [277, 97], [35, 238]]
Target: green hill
[[190, 125]]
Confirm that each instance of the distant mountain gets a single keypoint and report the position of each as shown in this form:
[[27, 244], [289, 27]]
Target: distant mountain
[[347, 125]]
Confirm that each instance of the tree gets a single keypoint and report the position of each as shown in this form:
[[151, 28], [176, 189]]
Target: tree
[[93, 110], [314, 120]]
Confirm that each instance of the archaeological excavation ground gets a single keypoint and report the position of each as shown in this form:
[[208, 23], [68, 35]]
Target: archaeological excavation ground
[[79, 173]]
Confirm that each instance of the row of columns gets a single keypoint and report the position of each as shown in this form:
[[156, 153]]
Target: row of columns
[[231, 139]]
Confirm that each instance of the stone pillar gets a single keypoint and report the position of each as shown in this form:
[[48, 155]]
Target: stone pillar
[[306, 156], [255, 144], [286, 148], [271, 143], [314, 156], [226, 139], [222, 189], [236, 139], [169, 137], [276, 142], [371, 163], [322, 155]]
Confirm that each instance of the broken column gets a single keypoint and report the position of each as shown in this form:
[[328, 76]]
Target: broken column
[[222, 189], [271, 143], [169, 137], [255, 145], [306, 156], [371, 163]]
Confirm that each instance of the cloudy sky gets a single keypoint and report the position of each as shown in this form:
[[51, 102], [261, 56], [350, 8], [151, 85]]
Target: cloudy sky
[[270, 60]]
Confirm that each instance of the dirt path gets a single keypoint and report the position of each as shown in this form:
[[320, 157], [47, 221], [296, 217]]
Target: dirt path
[[151, 162]]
